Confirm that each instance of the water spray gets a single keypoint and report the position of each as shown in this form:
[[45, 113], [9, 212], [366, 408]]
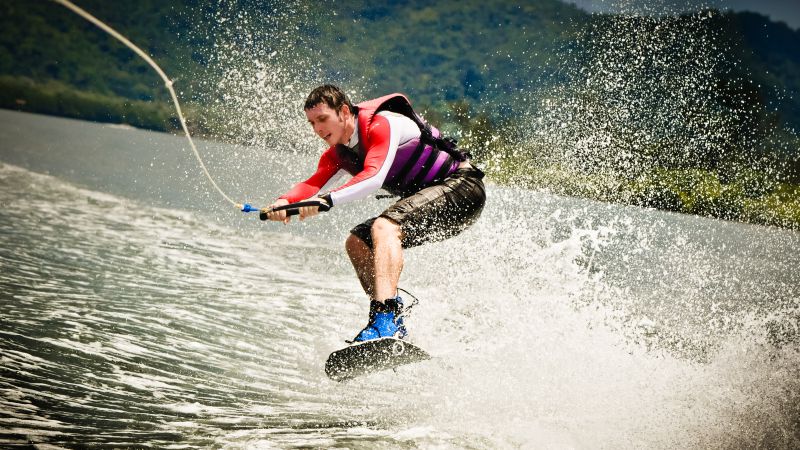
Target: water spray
[[168, 83]]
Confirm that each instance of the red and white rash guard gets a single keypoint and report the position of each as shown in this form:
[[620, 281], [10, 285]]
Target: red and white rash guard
[[387, 131]]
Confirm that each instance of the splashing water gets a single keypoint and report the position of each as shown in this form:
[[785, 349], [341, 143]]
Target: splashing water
[[653, 104], [260, 73]]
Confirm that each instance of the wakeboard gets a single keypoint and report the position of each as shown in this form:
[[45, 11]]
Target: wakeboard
[[366, 357]]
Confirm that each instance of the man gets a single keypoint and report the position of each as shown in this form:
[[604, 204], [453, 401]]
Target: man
[[384, 144]]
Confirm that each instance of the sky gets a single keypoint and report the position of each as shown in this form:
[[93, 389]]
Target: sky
[[787, 11]]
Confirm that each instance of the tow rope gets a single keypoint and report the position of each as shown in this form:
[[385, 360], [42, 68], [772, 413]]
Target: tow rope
[[168, 83]]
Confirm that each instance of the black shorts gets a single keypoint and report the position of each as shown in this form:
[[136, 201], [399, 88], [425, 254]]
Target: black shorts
[[436, 212]]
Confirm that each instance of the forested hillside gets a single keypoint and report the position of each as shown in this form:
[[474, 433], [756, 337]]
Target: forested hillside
[[489, 53]]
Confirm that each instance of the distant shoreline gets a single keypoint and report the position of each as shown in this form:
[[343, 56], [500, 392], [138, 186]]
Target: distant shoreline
[[690, 191], [62, 100]]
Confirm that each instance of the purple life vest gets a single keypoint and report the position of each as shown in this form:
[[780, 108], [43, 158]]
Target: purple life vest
[[418, 163]]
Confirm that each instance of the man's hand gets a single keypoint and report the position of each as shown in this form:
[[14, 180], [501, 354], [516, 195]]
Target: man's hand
[[279, 216], [311, 211], [305, 211]]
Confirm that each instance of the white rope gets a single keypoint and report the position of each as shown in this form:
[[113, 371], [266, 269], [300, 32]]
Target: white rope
[[163, 76]]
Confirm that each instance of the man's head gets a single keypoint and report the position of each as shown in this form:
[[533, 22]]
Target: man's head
[[330, 113], [330, 95]]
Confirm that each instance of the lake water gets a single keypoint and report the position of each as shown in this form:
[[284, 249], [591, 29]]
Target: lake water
[[137, 309]]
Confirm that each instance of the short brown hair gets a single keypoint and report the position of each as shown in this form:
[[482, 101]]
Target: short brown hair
[[329, 94]]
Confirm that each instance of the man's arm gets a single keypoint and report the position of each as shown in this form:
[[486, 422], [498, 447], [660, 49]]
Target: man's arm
[[328, 166], [383, 137]]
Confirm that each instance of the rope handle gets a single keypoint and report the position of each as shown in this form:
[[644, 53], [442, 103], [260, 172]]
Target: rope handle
[[292, 209]]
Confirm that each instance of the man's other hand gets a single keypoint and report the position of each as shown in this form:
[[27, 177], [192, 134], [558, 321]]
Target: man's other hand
[[278, 216]]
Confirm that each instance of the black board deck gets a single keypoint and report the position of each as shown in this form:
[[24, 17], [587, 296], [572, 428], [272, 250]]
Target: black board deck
[[371, 356]]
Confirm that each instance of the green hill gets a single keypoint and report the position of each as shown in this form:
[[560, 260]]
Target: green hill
[[489, 53]]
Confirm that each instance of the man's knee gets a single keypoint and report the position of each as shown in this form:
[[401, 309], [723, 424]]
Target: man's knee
[[385, 229]]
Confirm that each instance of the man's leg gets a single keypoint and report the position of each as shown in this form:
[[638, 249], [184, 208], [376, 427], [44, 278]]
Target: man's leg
[[361, 257], [378, 271], [387, 256], [376, 246]]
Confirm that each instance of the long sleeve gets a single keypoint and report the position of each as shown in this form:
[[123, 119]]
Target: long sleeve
[[328, 166], [381, 145]]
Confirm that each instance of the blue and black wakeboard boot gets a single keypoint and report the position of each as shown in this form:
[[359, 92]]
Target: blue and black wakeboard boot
[[385, 320]]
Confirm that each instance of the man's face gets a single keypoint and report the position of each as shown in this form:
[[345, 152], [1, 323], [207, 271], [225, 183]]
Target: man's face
[[327, 124]]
